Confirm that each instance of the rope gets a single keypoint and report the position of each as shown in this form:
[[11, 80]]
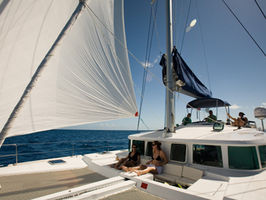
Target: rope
[[260, 9], [147, 58], [154, 13], [185, 28], [244, 27], [204, 48]]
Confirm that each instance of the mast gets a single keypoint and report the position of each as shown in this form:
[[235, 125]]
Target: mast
[[39, 70], [169, 107]]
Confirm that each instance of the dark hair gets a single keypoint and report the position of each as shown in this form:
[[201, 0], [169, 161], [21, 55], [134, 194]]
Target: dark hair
[[241, 113], [158, 144]]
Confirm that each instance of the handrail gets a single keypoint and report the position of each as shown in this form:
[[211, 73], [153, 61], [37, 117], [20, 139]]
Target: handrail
[[105, 145]]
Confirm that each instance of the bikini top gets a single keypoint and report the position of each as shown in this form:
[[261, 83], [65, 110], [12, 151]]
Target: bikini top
[[158, 158], [134, 157]]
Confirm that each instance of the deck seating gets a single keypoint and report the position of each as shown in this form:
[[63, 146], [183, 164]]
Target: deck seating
[[178, 174]]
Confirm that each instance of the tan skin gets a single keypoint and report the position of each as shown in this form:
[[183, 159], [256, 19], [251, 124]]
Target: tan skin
[[238, 121], [121, 162], [156, 152]]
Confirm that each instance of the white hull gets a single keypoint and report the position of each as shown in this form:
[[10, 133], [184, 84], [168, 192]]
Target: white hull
[[210, 186]]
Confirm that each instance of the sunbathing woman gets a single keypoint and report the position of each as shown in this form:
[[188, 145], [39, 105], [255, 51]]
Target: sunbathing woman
[[133, 159], [155, 165]]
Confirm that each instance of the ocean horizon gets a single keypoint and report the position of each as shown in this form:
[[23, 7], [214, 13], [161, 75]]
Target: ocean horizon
[[62, 142]]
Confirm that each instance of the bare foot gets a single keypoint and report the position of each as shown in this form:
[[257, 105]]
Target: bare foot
[[125, 169], [138, 172]]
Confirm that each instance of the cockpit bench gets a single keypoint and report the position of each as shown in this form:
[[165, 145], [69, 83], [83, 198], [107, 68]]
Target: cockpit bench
[[178, 174]]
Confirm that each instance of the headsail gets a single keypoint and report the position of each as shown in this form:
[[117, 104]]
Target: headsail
[[186, 82], [86, 80]]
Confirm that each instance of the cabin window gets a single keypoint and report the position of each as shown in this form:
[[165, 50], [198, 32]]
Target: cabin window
[[262, 150], [178, 152], [207, 155], [149, 149], [243, 158], [140, 146]]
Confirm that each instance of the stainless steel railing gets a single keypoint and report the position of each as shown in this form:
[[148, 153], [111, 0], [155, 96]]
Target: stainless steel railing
[[72, 147]]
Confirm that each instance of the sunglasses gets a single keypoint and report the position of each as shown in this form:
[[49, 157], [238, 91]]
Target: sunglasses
[[153, 144]]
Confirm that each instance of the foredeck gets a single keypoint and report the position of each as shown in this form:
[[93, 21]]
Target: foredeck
[[29, 186], [38, 179]]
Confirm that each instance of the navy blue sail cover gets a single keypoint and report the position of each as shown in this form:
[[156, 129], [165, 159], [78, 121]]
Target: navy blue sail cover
[[207, 103], [186, 81]]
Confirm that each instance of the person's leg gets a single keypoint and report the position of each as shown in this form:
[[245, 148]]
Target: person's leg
[[139, 167], [145, 171], [122, 160]]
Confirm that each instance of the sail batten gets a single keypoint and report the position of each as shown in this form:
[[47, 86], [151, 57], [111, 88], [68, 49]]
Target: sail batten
[[87, 78]]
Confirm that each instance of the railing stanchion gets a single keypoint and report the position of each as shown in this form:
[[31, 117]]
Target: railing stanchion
[[16, 154], [73, 149]]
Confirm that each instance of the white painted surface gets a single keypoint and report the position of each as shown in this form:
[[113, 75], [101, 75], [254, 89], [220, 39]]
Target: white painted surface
[[40, 166]]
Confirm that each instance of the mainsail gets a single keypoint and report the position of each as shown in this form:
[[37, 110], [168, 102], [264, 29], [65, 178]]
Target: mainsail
[[86, 80], [186, 82]]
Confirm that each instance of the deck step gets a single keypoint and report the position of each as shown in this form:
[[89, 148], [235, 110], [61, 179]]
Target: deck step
[[97, 167], [107, 191], [93, 190]]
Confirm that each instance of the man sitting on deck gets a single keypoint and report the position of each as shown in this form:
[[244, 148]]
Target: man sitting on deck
[[211, 118], [187, 119], [240, 121]]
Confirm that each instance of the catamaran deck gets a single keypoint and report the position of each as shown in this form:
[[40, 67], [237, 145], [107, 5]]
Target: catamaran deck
[[37, 179], [29, 186], [34, 179]]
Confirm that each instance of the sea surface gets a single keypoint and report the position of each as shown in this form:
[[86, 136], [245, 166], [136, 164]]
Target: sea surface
[[59, 143]]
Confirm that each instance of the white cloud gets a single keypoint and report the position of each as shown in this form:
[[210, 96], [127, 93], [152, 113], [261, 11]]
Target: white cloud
[[264, 104], [235, 107]]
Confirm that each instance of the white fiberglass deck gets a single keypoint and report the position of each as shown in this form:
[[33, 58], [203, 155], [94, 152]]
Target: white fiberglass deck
[[195, 133]]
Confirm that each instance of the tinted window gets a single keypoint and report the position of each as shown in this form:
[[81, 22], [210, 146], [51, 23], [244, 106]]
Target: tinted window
[[243, 158], [178, 152], [207, 155], [149, 149], [140, 146], [262, 150]]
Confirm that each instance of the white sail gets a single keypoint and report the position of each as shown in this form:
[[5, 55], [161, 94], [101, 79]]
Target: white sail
[[87, 79]]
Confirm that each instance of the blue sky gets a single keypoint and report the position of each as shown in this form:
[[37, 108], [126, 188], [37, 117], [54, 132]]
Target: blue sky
[[229, 62]]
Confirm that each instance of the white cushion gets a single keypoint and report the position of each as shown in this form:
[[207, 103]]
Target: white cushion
[[173, 169], [191, 173]]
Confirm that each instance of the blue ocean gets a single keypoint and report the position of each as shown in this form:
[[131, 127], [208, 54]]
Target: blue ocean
[[59, 143]]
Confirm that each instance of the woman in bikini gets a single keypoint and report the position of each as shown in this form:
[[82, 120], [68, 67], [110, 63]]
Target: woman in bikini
[[133, 159], [155, 165]]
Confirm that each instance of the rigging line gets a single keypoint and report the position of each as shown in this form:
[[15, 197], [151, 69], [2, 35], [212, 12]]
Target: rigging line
[[244, 27], [145, 124], [183, 37], [147, 58], [156, 28], [260, 9], [174, 24], [204, 48], [142, 95], [120, 42]]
